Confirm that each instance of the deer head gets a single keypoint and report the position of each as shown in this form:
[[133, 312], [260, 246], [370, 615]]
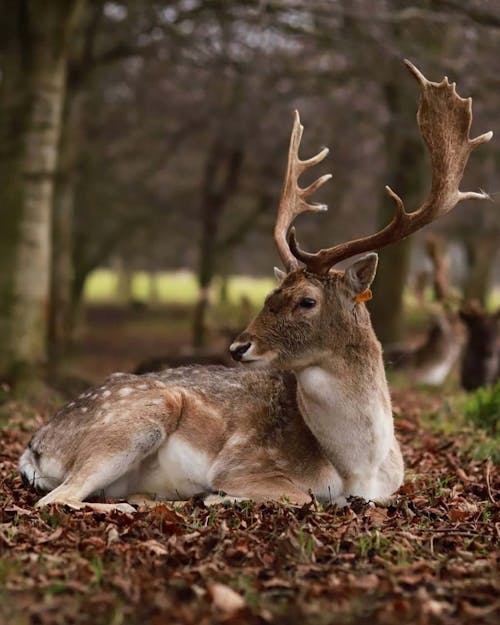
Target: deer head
[[317, 308]]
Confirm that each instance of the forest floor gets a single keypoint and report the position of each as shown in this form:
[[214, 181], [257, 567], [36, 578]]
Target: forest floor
[[429, 557]]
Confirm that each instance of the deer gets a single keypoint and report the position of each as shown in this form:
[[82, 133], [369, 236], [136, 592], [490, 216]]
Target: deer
[[481, 359], [308, 412], [431, 361]]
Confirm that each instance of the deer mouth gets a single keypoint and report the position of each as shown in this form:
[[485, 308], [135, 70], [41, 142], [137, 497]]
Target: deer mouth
[[247, 353]]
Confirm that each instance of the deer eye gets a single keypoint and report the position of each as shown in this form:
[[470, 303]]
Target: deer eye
[[307, 302]]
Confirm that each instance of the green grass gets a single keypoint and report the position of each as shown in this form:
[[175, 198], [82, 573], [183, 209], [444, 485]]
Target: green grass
[[475, 416], [172, 287], [482, 409]]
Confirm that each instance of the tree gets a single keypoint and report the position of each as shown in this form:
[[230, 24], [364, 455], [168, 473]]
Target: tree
[[404, 164], [34, 42], [167, 81]]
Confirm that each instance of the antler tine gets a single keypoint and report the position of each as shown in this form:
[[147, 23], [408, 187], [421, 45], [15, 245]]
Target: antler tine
[[444, 119], [293, 198]]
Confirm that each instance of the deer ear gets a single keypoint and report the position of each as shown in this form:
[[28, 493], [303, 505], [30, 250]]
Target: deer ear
[[279, 274], [361, 273]]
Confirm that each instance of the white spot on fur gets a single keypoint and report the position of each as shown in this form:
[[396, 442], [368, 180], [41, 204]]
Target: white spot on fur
[[106, 393], [94, 397], [109, 417], [84, 409], [143, 387], [126, 390], [237, 439], [71, 404]]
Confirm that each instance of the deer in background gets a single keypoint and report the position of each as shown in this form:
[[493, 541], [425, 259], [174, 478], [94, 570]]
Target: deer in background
[[431, 361], [481, 359], [314, 418]]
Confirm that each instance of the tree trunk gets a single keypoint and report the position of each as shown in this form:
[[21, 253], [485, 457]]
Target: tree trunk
[[75, 305], [124, 286], [154, 289], [34, 37], [405, 170], [206, 269], [59, 326], [124, 278], [221, 179], [224, 289]]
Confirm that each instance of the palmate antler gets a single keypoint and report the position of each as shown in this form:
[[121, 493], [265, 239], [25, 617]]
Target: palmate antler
[[444, 119]]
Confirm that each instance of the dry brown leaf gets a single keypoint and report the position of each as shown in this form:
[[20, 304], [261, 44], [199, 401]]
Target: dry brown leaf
[[367, 582], [155, 547], [225, 598]]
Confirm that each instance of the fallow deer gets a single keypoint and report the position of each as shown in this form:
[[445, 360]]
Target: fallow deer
[[431, 361], [481, 359], [315, 419]]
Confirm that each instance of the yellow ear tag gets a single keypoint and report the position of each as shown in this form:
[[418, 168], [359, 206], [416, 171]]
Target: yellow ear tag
[[363, 297]]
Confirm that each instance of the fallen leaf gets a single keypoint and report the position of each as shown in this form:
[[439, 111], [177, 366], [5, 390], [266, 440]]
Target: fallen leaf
[[155, 547], [225, 598]]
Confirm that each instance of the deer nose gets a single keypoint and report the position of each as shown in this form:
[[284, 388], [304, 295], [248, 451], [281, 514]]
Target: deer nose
[[239, 349]]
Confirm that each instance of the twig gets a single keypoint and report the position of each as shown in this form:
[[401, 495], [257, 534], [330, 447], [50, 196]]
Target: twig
[[438, 531], [452, 532], [488, 484]]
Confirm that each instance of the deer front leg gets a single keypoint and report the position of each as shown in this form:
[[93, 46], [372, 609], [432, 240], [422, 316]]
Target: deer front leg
[[66, 497]]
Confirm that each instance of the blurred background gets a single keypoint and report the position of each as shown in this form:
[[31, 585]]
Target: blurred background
[[142, 150]]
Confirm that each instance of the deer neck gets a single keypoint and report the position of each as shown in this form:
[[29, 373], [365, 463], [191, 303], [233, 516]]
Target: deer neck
[[344, 400]]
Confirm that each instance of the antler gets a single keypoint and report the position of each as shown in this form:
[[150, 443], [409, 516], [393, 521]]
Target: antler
[[444, 119], [293, 198], [435, 251]]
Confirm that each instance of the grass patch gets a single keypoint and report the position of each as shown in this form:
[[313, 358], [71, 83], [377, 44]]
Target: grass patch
[[177, 287], [475, 414], [482, 409]]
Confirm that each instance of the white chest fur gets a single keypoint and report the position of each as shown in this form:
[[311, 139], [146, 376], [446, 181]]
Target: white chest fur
[[353, 426]]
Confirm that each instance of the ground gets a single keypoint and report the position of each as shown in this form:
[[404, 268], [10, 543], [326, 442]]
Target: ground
[[429, 557]]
